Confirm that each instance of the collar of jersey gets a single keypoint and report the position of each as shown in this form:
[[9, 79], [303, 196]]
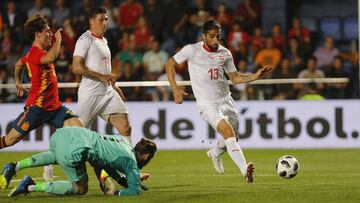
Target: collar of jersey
[[207, 49], [99, 37]]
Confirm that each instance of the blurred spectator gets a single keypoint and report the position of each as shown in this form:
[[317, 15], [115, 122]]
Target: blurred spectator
[[310, 72], [301, 33], [15, 21], [295, 53], [278, 37], [176, 18], [312, 93], [236, 36], [129, 12], [326, 53], [124, 41], [269, 55], [224, 17], [336, 90], [127, 74], [39, 8], [16, 53], [243, 54], [248, 13], [284, 91], [111, 33], [132, 55], [68, 35], [80, 12], [142, 34], [198, 15], [6, 42], [62, 64], [154, 15], [9, 94], [60, 13], [154, 63], [257, 40]]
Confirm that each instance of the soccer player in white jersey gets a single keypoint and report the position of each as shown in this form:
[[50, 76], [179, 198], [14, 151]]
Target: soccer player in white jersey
[[208, 61], [97, 94]]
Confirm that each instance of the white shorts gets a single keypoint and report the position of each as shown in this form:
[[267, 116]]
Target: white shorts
[[92, 106], [214, 112]]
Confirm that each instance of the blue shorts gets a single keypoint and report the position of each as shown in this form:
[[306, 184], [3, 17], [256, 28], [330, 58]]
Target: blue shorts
[[34, 116]]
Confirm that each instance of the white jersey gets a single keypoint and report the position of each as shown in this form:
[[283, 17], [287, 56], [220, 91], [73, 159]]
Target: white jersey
[[97, 57], [207, 71]]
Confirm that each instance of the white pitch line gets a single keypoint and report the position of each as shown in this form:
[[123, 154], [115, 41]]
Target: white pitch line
[[37, 178]]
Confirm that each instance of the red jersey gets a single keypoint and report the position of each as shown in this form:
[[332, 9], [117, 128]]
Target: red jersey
[[44, 86], [129, 14]]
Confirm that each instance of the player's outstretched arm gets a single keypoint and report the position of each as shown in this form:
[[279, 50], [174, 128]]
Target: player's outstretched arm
[[79, 68], [237, 77], [18, 74], [170, 72], [53, 53]]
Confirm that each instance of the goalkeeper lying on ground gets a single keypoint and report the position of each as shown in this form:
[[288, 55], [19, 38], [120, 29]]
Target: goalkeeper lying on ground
[[71, 148]]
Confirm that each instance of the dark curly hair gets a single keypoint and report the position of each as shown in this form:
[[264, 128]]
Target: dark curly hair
[[34, 24]]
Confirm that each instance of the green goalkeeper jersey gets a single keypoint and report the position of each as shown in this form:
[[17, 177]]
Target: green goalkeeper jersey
[[113, 153]]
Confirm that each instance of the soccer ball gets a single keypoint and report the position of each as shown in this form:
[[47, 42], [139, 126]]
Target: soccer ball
[[287, 166]]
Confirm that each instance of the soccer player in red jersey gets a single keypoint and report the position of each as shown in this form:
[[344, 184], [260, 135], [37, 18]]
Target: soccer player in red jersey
[[42, 105]]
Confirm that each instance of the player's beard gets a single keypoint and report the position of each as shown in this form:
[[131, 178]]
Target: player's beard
[[212, 48]]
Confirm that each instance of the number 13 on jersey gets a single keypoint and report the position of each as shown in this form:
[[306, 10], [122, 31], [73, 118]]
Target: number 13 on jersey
[[213, 73]]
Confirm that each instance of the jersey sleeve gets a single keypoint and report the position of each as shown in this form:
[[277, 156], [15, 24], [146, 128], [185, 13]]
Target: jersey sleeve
[[229, 65], [184, 54], [23, 60], [82, 47], [131, 171]]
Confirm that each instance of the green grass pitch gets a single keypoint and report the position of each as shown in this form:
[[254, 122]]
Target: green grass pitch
[[188, 176]]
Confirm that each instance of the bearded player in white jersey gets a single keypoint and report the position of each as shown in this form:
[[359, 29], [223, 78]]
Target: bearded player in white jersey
[[97, 94], [208, 61]]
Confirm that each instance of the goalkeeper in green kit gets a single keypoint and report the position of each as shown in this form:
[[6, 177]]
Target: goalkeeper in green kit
[[71, 148]]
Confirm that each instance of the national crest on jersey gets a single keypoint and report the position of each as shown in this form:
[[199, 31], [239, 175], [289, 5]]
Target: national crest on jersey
[[44, 86], [207, 70]]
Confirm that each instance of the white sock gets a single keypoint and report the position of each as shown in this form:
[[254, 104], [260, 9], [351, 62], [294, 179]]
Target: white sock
[[220, 147], [17, 167], [236, 154], [31, 188]]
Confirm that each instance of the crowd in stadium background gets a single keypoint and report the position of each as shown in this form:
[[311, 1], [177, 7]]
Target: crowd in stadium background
[[143, 34]]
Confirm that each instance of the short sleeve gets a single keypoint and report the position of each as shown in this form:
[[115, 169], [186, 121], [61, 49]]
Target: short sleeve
[[229, 65], [82, 47], [23, 60], [184, 54]]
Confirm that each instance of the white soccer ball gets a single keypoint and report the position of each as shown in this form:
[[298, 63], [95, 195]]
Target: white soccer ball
[[287, 166]]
